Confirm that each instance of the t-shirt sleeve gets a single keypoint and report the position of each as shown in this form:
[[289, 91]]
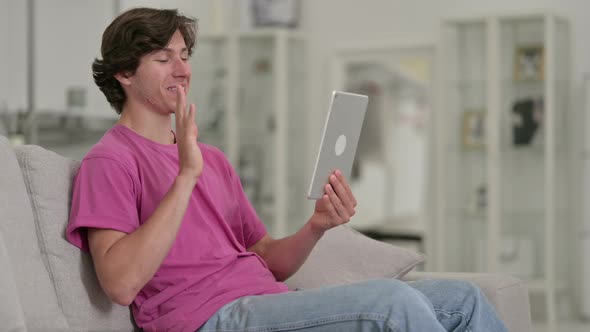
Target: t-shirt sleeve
[[252, 228], [104, 196]]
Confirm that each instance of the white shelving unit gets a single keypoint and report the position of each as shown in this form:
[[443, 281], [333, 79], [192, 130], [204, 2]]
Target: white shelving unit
[[392, 161], [250, 88], [503, 158]]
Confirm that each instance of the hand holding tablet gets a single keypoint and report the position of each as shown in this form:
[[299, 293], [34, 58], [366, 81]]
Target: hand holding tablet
[[342, 130]]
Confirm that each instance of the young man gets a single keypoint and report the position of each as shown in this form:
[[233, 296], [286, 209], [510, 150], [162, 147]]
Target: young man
[[172, 234]]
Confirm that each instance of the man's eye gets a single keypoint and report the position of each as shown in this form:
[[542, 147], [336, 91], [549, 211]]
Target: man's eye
[[162, 60], [184, 59]]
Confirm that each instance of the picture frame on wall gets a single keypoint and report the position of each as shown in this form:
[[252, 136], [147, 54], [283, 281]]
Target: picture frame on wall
[[473, 129], [275, 13], [529, 63]]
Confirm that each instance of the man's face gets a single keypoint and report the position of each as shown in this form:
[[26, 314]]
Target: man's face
[[154, 82]]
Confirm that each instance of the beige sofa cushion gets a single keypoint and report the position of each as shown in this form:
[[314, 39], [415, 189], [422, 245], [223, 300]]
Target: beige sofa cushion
[[11, 313], [344, 255], [48, 177], [17, 226], [508, 295]]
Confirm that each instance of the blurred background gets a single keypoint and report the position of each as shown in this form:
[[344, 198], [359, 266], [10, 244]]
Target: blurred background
[[473, 151]]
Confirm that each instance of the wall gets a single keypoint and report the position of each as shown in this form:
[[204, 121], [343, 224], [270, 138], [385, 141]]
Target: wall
[[68, 36], [13, 58], [65, 52]]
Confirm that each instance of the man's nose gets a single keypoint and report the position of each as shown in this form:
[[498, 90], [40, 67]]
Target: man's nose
[[181, 67]]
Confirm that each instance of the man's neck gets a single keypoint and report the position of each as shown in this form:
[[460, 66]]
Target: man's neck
[[153, 126]]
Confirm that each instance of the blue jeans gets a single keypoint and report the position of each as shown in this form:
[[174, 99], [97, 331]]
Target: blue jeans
[[373, 305]]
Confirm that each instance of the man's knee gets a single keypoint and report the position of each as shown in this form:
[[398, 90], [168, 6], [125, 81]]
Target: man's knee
[[392, 293], [450, 291], [386, 287], [464, 289]]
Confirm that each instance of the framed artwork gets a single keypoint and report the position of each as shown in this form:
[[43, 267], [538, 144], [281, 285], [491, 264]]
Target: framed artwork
[[473, 129], [283, 13], [529, 63]]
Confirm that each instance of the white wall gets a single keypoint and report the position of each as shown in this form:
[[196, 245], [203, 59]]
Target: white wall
[[13, 59], [4, 54], [68, 37]]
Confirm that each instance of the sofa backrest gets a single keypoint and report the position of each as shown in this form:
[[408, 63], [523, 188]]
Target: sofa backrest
[[11, 312], [17, 225], [48, 178]]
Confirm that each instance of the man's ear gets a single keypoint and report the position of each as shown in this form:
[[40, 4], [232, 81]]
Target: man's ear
[[123, 78]]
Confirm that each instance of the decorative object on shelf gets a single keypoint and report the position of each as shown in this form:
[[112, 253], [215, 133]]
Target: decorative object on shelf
[[72, 120], [12, 125], [527, 118], [529, 63], [262, 66], [481, 197], [76, 97], [275, 13], [473, 136]]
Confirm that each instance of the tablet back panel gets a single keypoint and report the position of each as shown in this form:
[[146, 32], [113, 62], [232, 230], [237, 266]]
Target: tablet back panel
[[339, 140]]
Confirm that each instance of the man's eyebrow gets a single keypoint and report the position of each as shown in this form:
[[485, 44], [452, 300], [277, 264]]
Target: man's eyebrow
[[169, 50]]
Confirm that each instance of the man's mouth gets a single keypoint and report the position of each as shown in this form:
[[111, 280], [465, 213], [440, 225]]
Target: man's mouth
[[174, 88]]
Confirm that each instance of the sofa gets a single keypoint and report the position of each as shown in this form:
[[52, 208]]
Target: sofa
[[46, 284]]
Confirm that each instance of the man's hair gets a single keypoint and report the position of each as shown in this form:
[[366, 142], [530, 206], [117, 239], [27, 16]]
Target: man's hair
[[131, 35]]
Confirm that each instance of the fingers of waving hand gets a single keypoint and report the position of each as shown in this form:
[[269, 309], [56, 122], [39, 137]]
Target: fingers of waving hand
[[185, 121], [190, 157], [180, 104]]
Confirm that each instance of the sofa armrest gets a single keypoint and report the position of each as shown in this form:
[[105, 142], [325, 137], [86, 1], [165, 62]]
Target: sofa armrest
[[508, 295]]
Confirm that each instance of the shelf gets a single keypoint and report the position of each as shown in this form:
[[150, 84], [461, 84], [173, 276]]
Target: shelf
[[504, 82], [536, 83], [254, 33], [509, 213], [271, 32], [402, 227], [528, 192], [540, 286]]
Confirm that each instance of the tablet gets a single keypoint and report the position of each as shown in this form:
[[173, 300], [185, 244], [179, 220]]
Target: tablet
[[342, 130]]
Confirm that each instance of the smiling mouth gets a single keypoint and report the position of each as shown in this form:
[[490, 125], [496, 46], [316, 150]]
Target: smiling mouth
[[174, 89]]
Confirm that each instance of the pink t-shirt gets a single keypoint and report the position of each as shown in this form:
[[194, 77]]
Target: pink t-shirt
[[120, 183]]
